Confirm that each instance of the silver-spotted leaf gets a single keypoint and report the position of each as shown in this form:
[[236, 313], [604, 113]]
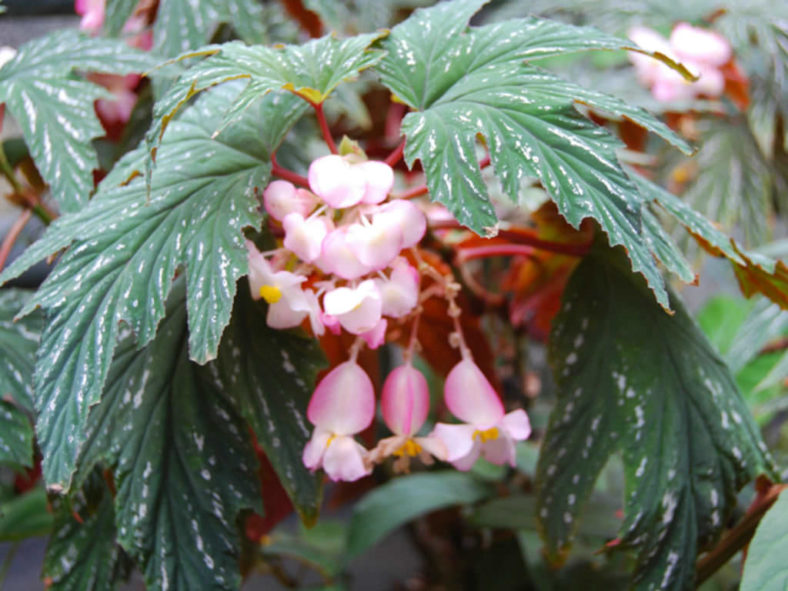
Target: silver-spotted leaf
[[55, 108], [470, 82], [270, 375], [312, 70], [634, 379], [126, 247], [182, 457], [183, 25], [18, 345], [16, 437], [83, 555]]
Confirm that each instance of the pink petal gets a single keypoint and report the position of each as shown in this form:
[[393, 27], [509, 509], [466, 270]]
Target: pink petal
[[400, 293], [499, 451], [700, 45], [304, 237], [379, 178], [433, 446], [517, 425], [336, 181], [375, 337], [467, 461], [358, 309], [404, 215], [405, 400], [283, 315], [338, 258], [375, 245], [281, 198], [344, 400], [344, 460], [470, 397], [315, 448], [458, 439]]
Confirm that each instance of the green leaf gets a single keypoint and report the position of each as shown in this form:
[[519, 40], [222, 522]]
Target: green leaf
[[116, 13], [55, 109], [634, 379], [664, 249], [765, 568], [16, 437], [25, 516], [405, 498], [84, 556], [312, 70], [18, 345], [184, 465], [470, 82], [126, 248], [755, 272], [183, 25], [270, 375]]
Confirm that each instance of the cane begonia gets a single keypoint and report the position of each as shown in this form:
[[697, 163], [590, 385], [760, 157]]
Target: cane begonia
[[282, 197], [304, 237], [488, 431], [405, 403], [343, 405], [358, 309]]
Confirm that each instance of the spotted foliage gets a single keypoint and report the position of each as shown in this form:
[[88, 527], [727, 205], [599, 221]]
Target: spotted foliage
[[687, 438]]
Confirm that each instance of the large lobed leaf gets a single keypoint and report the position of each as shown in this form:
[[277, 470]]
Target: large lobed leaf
[[183, 462], [687, 438], [55, 108], [126, 247], [470, 82], [18, 345], [312, 70], [765, 568]]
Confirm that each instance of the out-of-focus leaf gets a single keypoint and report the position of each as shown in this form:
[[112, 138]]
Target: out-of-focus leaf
[[765, 568], [126, 248], [183, 25], [83, 556], [312, 70], [687, 438], [755, 272], [270, 375], [16, 437], [182, 457], [322, 545], [18, 345], [402, 499], [25, 516], [765, 322], [55, 108], [116, 13], [464, 83]]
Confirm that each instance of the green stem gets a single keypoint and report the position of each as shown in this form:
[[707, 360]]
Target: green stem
[[8, 171]]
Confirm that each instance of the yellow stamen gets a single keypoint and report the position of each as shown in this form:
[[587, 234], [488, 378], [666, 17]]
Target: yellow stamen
[[330, 439], [488, 435], [270, 293], [409, 448]]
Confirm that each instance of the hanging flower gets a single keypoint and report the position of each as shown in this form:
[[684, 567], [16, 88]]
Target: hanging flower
[[487, 431], [343, 405]]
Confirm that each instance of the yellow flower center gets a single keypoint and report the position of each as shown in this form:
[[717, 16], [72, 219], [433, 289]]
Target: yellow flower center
[[488, 435], [270, 293], [409, 448]]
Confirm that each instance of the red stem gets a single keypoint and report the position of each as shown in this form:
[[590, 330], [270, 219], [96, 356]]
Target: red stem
[[396, 155], [321, 119], [287, 175], [495, 250], [13, 234]]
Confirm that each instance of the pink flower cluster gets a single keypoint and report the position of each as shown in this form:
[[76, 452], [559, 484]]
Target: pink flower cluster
[[343, 405], [340, 268], [703, 52], [343, 230]]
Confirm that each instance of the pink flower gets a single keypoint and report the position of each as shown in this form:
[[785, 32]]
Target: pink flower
[[304, 237], [406, 216], [399, 293], [376, 244], [288, 304], [336, 181], [338, 258], [405, 403], [92, 13], [487, 430], [281, 198], [379, 179], [343, 404], [375, 336], [358, 309], [700, 46]]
